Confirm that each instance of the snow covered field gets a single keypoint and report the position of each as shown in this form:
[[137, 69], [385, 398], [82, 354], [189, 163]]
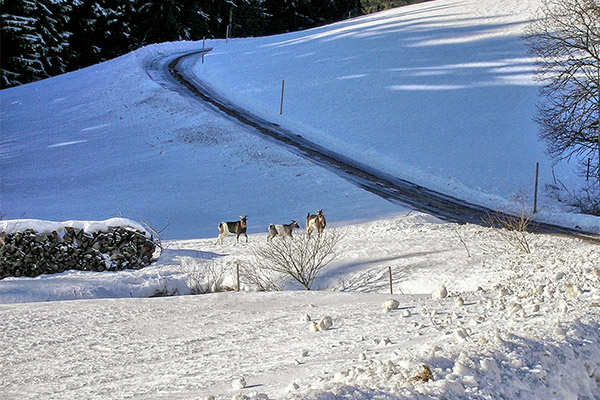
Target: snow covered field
[[438, 93], [526, 325]]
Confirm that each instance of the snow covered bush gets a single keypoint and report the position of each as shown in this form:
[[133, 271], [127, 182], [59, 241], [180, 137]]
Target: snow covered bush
[[302, 258]]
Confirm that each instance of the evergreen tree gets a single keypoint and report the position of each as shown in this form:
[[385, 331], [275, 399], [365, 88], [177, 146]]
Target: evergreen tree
[[371, 6], [21, 45], [112, 31], [50, 26], [82, 43]]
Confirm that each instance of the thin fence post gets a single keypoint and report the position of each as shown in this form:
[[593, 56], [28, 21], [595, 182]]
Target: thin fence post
[[281, 104], [535, 193], [237, 274], [203, 46], [390, 274]]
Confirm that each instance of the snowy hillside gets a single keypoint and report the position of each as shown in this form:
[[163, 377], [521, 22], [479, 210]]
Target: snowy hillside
[[438, 93]]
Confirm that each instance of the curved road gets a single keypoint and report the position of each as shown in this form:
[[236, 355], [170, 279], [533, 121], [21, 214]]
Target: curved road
[[174, 72]]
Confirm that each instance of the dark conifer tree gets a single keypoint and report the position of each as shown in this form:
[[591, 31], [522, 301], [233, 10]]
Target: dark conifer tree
[[50, 25], [21, 44]]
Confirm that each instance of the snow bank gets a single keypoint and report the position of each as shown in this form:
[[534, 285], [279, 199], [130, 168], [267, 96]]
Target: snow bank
[[47, 227]]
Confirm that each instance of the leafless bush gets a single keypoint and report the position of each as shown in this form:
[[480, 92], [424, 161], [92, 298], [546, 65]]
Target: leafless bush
[[264, 280], [513, 225], [156, 235], [584, 200], [455, 229], [302, 258], [205, 276]]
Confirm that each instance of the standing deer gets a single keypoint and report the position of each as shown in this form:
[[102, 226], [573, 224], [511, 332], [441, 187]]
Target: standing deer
[[315, 222], [232, 228], [282, 230]]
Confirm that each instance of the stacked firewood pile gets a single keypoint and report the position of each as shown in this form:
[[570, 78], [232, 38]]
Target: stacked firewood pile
[[31, 253]]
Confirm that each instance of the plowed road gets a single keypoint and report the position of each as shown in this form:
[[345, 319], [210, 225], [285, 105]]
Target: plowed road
[[175, 72]]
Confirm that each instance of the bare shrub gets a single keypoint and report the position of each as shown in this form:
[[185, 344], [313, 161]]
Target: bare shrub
[[514, 225], [205, 276], [461, 240], [302, 258], [264, 280], [156, 235], [584, 200]]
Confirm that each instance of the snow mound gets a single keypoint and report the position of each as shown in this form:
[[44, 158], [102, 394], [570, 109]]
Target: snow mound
[[41, 226]]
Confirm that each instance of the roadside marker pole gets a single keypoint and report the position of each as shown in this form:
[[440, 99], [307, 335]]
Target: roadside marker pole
[[281, 104], [535, 193], [203, 43], [390, 273], [237, 265]]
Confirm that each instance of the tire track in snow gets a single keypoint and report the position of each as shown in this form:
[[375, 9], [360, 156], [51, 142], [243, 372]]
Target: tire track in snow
[[170, 71]]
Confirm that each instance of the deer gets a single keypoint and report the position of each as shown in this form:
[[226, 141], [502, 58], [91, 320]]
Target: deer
[[282, 230], [232, 228], [315, 222]]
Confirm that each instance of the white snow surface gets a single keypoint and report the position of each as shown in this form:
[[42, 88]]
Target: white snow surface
[[41, 226], [439, 93], [528, 326]]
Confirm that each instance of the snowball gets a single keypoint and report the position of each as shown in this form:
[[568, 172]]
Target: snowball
[[563, 307], [461, 369], [558, 276], [305, 318], [391, 304], [304, 353], [573, 290], [362, 357], [490, 366], [440, 294], [406, 313], [209, 397], [313, 326], [340, 376], [460, 335], [325, 323], [239, 383], [515, 308], [558, 331], [459, 302]]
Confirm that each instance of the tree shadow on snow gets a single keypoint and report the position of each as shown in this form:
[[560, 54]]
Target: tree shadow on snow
[[173, 255]]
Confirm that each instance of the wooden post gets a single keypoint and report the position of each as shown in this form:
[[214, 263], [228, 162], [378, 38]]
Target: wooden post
[[227, 35], [281, 104], [390, 274], [237, 273], [535, 193], [203, 46]]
